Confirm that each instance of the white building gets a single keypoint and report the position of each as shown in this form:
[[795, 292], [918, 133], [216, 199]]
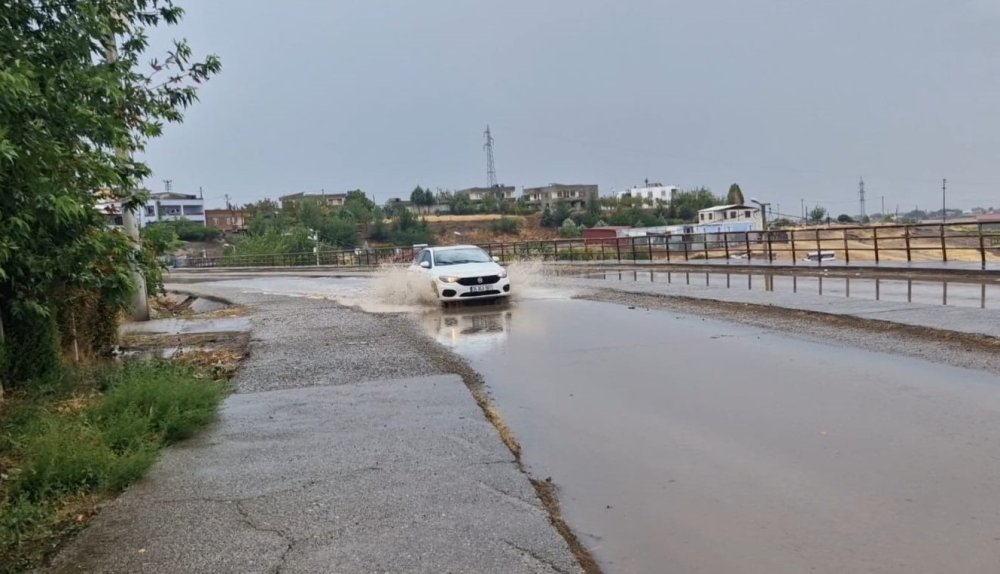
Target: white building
[[726, 218], [170, 206], [650, 193], [163, 206]]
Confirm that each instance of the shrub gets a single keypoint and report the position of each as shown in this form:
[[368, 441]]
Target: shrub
[[506, 226]]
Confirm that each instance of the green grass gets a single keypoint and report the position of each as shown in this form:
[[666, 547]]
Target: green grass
[[83, 438]]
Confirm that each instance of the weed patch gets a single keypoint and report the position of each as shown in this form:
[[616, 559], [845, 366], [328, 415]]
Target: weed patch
[[71, 444]]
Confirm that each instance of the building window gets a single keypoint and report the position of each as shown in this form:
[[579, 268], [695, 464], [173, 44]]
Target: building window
[[747, 214], [171, 210], [150, 210]]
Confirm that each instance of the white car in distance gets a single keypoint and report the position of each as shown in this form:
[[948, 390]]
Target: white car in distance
[[462, 273]]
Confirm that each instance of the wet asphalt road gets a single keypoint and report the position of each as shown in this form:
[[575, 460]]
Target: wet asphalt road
[[683, 444], [689, 445]]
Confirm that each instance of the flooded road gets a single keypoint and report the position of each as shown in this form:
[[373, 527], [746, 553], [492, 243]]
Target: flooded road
[[984, 295], [688, 445]]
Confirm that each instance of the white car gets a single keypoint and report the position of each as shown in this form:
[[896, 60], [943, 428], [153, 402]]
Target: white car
[[462, 273]]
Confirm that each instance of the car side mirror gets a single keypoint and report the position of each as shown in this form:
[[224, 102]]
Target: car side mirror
[[425, 264], [495, 259]]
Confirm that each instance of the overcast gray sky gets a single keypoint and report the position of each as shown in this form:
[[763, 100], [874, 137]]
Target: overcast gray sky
[[793, 99]]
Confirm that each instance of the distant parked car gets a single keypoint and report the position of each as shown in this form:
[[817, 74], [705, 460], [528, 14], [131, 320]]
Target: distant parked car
[[462, 273]]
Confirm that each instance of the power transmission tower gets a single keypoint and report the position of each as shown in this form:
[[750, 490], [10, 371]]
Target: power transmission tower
[[861, 197], [944, 202], [491, 170], [168, 184]]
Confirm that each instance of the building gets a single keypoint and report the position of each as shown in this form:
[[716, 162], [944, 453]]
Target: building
[[327, 199], [498, 192], [600, 234], [227, 220], [725, 216], [172, 206], [576, 196], [650, 193]]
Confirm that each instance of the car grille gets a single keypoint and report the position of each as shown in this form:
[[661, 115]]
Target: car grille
[[486, 280]]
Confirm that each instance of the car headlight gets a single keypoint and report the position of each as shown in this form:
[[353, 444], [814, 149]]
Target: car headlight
[[503, 273], [448, 279]]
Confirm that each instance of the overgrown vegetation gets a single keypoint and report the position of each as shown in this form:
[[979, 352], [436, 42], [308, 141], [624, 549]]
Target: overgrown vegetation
[[79, 437], [71, 120], [185, 230], [506, 226]]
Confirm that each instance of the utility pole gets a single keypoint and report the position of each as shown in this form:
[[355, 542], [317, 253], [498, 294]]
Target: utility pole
[[803, 202], [861, 196], [944, 202], [491, 170], [883, 207], [140, 306]]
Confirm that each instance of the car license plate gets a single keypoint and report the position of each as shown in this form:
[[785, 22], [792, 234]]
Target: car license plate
[[479, 288]]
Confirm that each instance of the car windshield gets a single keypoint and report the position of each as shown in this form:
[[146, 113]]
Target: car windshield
[[458, 256]]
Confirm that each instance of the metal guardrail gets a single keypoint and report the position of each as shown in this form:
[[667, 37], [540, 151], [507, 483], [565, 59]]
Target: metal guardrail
[[873, 244]]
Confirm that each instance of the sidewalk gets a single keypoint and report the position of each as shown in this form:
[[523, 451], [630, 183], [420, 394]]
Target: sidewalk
[[344, 449]]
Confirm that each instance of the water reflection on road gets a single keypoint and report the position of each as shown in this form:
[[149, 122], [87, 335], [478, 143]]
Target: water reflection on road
[[688, 445]]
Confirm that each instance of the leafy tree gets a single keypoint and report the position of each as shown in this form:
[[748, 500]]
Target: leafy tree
[[735, 195], [71, 121], [817, 214], [418, 196], [460, 204], [686, 204], [844, 218], [359, 208], [569, 229]]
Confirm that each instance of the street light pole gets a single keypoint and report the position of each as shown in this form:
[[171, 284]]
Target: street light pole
[[763, 225]]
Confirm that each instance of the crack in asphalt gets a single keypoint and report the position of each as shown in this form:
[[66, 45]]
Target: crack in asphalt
[[536, 557], [289, 541]]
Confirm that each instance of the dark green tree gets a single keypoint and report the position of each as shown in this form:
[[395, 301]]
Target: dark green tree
[[735, 195], [817, 214]]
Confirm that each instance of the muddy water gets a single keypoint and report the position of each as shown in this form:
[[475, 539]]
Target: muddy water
[[688, 445], [984, 295]]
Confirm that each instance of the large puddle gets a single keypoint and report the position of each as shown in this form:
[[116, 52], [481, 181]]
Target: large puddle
[[958, 294], [682, 444], [688, 445]]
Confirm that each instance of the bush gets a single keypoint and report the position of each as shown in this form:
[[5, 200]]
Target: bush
[[506, 226]]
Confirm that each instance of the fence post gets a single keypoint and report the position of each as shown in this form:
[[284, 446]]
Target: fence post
[[770, 247], [649, 244], [618, 248], [632, 245], [704, 245], [875, 242], [602, 250], [746, 236], [685, 251], [666, 244], [555, 250], [819, 251], [847, 249], [725, 243], [791, 237], [906, 233], [944, 247], [982, 250]]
